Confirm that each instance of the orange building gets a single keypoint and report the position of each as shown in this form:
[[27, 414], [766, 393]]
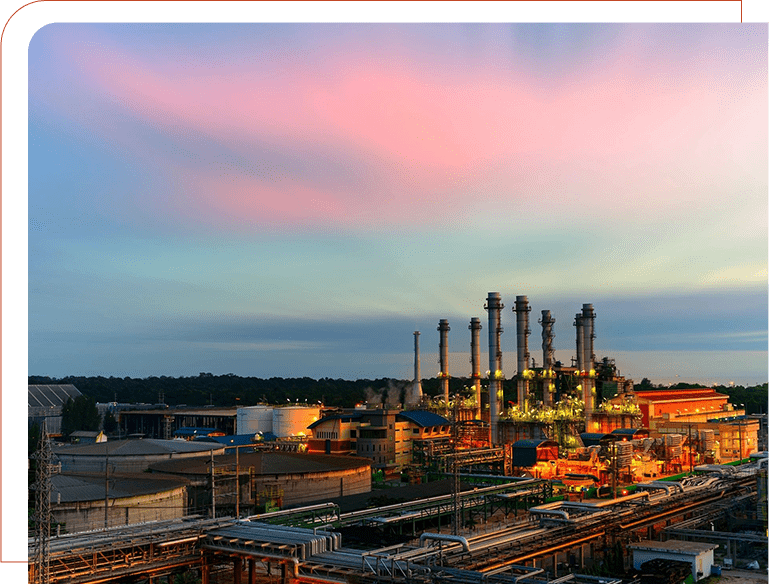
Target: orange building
[[693, 405]]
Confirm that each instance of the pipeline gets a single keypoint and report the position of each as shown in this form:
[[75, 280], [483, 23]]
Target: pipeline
[[445, 537]]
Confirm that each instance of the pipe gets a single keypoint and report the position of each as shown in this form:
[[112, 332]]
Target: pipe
[[558, 512], [475, 361], [416, 391], [494, 307], [443, 345], [445, 537], [521, 311]]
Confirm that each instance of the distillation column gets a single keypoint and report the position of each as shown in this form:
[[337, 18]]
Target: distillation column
[[416, 390], [522, 310], [475, 361], [494, 306], [443, 329], [548, 357]]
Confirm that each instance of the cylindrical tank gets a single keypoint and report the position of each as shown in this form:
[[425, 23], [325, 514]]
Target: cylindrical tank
[[416, 391], [521, 310], [443, 344], [293, 420], [253, 419], [475, 360], [494, 306]]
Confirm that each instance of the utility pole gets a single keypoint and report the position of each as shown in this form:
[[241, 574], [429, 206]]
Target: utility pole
[[213, 488], [42, 486], [106, 485], [237, 482], [455, 487]]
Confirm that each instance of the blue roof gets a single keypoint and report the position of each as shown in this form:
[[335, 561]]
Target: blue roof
[[532, 443], [423, 418], [629, 431], [189, 431], [343, 417], [235, 440]]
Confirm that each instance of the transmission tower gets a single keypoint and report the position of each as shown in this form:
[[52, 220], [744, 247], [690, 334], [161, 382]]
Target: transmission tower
[[42, 517]]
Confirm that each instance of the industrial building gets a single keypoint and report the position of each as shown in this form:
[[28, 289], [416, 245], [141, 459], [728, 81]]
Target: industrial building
[[385, 436], [45, 404]]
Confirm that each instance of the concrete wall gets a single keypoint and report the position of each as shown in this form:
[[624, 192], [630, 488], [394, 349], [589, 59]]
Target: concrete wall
[[88, 515], [305, 487]]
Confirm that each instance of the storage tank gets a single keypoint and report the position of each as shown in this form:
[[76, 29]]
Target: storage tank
[[253, 419], [293, 420]]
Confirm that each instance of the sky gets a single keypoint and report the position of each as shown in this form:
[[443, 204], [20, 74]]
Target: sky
[[288, 200]]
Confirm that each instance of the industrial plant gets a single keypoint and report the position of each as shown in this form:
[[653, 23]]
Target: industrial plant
[[566, 472]]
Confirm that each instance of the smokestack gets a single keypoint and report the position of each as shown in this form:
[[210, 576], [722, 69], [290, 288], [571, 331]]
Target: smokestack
[[588, 318], [443, 345], [580, 339], [548, 354], [475, 360], [522, 321], [416, 391], [588, 334], [494, 306]]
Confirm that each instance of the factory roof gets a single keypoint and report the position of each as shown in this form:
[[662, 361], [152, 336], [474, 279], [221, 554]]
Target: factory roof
[[660, 395], [675, 546], [631, 432], [266, 463], [71, 488], [343, 417], [532, 443], [424, 418], [189, 431], [50, 396], [594, 438], [232, 440], [144, 447]]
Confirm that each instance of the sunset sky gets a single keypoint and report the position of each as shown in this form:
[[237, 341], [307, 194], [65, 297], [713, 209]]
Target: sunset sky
[[296, 199]]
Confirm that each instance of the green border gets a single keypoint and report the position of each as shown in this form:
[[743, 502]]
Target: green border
[[15, 41]]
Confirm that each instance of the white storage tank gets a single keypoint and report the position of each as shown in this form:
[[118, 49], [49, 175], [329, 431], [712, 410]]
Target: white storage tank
[[293, 420], [253, 419]]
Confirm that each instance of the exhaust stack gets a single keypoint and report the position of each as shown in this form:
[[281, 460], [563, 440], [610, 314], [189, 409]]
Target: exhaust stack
[[522, 310], [475, 361], [416, 390], [443, 345], [588, 334], [494, 306], [548, 355]]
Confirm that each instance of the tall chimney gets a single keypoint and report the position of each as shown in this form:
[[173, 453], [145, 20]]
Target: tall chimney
[[494, 306], [416, 391], [475, 361], [522, 321], [588, 318], [548, 354], [443, 328]]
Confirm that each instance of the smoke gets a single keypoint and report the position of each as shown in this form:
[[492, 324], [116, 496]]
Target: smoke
[[393, 395]]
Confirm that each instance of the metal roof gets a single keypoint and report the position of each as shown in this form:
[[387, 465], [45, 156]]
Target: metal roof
[[144, 447], [343, 417], [50, 396], [424, 418], [532, 443], [70, 488], [629, 431], [266, 463]]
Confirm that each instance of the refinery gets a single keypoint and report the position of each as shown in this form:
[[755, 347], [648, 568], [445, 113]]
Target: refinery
[[566, 472]]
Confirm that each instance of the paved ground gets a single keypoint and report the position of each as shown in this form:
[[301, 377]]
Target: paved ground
[[743, 577]]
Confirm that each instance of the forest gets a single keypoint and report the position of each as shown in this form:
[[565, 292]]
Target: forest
[[232, 390]]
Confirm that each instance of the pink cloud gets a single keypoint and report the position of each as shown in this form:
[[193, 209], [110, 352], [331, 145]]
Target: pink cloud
[[428, 136]]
